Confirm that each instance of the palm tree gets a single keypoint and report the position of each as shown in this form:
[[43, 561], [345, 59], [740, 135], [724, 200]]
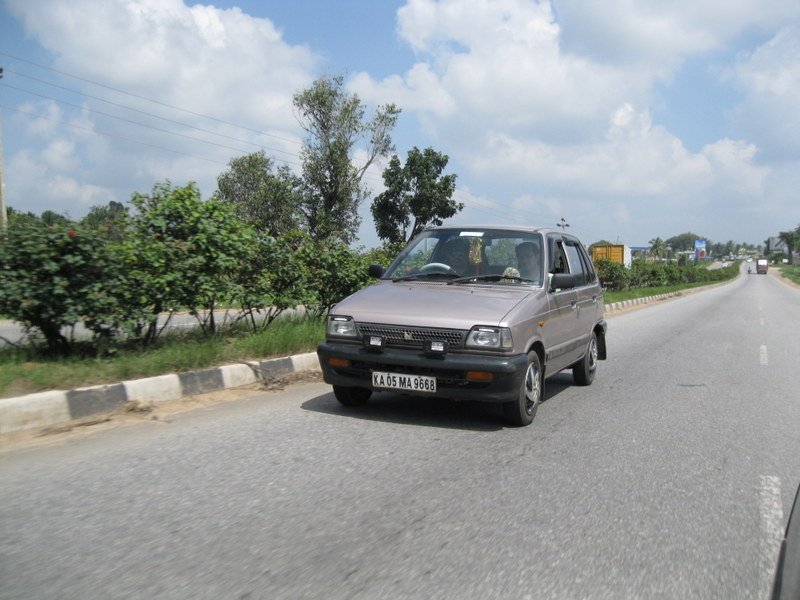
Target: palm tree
[[656, 247]]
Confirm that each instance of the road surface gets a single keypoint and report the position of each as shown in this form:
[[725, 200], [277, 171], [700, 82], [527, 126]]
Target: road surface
[[670, 477]]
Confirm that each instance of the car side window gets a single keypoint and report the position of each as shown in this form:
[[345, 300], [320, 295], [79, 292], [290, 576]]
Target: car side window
[[560, 264], [575, 265], [588, 267]]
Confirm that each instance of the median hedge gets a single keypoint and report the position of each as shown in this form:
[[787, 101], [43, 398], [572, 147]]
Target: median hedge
[[178, 252], [615, 277]]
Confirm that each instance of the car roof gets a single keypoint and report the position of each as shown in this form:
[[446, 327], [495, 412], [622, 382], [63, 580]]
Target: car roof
[[482, 226]]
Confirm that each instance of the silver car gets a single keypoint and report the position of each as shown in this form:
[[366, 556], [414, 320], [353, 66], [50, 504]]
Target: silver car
[[470, 313]]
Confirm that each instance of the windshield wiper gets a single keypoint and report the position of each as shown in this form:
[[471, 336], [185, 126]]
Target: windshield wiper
[[476, 278]]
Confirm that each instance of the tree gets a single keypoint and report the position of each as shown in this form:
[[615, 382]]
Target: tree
[[266, 198], [108, 220], [274, 279], [182, 252], [657, 247], [17, 217], [417, 189], [55, 276], [790, 238], [51, 218], [334, 122], [684, 241]]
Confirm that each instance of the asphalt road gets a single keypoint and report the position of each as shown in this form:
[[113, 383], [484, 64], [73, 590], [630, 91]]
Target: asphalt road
[[670, 477]]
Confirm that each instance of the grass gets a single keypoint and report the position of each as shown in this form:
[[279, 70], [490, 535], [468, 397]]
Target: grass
[[25, 372], [611, 297], [791, 272]]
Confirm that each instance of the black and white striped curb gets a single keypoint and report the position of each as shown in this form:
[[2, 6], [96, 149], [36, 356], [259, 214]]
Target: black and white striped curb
[[614, 306], [45, 409]]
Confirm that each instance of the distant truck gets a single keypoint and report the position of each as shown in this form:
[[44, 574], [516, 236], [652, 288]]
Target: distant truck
[[618, 253], [762, 265]]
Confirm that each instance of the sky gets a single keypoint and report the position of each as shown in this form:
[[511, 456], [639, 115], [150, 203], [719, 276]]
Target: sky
[[629, 119]]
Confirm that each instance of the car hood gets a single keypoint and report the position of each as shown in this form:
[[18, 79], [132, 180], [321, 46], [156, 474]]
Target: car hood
[[432, 305]]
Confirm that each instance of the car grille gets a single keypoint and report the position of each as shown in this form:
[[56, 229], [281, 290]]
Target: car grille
[[413, 337]]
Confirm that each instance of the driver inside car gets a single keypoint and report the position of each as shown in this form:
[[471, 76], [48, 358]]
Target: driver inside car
[[529, 261], [456, 255]]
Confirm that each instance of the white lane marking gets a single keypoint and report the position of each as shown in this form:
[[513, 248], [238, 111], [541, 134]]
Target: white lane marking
[[762, 355], [771, 509]]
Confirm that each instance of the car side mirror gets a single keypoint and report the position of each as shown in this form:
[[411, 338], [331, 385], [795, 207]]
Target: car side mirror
[[376, 271], [562, 281]]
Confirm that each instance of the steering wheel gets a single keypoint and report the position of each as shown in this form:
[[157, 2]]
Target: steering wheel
[[434, 267]]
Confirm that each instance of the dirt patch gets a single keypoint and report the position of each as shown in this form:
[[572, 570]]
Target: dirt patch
[[156, 413]]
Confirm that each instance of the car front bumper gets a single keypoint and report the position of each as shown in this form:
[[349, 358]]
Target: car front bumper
[[450, 370]]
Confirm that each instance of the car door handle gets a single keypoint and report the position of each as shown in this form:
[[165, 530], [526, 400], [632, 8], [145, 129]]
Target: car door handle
[[574, 304]]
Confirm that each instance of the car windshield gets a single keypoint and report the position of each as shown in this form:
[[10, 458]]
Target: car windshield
[[485, 256]]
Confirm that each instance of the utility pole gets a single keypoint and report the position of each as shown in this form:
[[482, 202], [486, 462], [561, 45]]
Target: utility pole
[[3, 215], [563, 224]]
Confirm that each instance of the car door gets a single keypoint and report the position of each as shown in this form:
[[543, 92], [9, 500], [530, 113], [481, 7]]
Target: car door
[[587, 290], [562, 325]]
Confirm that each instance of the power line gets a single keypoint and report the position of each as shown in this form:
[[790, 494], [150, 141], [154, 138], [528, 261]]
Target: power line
[[140, 97], [123, 119], [222, 121], [111, 135], [149, 114]]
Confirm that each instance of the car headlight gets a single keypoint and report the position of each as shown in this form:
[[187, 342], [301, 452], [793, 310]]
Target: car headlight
[[342, 327], [497, 338]]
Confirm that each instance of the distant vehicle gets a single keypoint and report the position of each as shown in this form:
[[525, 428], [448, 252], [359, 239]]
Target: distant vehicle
[[761, 266], [618, 253], [480, 313]]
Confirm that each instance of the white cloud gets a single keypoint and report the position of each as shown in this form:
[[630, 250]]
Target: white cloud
[[498, 64], [769, 78], [37, 180], [205, 60], [661, 34], [198, 57], [543, 108]]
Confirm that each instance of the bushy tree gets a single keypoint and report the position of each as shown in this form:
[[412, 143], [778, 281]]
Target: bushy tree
[[334, 122], [16, 217], [108, 220], [266, 198], [683, 241], [181, 252], [274, 279], [54, 276], [415, 190], [334, 272]]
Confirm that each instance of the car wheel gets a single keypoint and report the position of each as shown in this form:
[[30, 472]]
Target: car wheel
[[520, 411], [351, 396], [583, 371]]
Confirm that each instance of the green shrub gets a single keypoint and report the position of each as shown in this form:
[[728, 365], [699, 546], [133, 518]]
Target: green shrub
[[55, 276]]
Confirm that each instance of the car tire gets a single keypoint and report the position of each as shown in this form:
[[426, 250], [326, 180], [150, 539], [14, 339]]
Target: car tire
[[351, 396], [583, 370], [521, 411]]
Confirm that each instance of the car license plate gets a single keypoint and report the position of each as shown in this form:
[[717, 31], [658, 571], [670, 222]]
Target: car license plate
[[403, 381]]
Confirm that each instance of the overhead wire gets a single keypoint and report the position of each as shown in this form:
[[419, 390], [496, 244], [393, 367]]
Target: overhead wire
[[366, 177], [111, 135], [149, 114], [488, 211]]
